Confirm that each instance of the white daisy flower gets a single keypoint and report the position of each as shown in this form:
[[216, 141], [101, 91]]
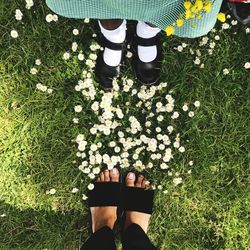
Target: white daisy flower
[[93, 131], [33, 71], [217, 37], [234, 22], [38, 62], [74, 190], [49, 91], [96, 170], [55, 18], [80, 57], [185, 107], [180, 48], [14, 34], [197, 61], [49, 18], [78, 108], [74, 46], [52, 191], [129, 54], [164, 166], [225, 71], [18, 14], [177, 181], [247, 65], [66, 56], [191, 114], [197, 104], [84, 197], [175, 115], [75, 32], [181, 149], [225, 26]]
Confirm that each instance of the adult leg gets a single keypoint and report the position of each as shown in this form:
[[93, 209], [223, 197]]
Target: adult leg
[[136, 239], [136, 223], [103, 239], [103, 202]]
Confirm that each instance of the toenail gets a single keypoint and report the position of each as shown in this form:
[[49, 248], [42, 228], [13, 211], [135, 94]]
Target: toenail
[[131, 176], [114, 171]]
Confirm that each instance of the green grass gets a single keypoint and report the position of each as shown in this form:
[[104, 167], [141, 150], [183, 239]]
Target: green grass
[[209, 210]]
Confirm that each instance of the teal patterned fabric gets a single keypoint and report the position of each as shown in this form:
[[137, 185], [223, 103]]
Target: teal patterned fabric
[[158, 12]]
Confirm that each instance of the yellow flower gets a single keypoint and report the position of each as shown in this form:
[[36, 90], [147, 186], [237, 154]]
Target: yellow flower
[[179, 22], [187, 5], [169, 30], [188, 14], [207, 6], [221, 17], [199, 5]]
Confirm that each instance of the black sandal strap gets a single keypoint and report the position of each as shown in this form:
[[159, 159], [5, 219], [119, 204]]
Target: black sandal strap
[[138, 199], [147, 41], [105, 194], [114, 46]]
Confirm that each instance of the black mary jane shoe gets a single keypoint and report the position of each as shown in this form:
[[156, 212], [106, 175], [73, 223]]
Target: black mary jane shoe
[[147, 73], [103, 72]]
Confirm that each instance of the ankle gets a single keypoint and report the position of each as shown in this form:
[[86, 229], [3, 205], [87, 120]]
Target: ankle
[[141, 219], [108, 222]]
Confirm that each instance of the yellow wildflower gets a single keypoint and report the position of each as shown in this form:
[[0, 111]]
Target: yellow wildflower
[[179, 22], [187, 5], [221, 17], [169, 30], [207, 6], [199, 5], [188, 14]]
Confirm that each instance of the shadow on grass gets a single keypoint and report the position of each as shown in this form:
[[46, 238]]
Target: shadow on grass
[[31, 229]]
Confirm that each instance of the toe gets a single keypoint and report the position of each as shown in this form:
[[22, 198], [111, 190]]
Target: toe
[[106, 175], [102, 177], [139, 181], [114, 175], [147, 184], [98, 179], [143, 185], [130, 179]]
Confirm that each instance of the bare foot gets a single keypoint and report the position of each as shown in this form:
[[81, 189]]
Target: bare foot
[[105, 216], [141, 219]]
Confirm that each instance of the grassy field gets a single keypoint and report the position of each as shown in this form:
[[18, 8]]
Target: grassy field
[[208, 210]]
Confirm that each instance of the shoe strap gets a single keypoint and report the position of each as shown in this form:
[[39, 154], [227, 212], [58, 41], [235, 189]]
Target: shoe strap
[[147, 41], [114, 46], [105, 194], [137, 199]]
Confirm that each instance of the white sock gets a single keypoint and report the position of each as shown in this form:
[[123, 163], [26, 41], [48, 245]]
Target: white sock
[[113, 57], [143, 30]]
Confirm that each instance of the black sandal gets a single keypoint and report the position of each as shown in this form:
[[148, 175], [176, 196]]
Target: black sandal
[[105, 194], [103, 72], [148, 73], [137, 199]]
